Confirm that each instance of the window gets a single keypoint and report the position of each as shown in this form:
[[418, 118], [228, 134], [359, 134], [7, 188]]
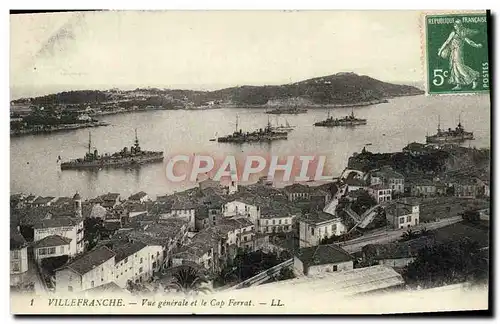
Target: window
[[408, 218], [279, 222], [274, 221], [401, 220], [141, 260], [312, 231], [126, 260], [157, 253], [70, 289], [286, 220], [61, 250], [92, 284], [140, 270], [335, 268], [42, 251]]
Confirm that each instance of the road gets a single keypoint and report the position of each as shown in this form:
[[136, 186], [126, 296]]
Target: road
[[384, 236], [40, 287]]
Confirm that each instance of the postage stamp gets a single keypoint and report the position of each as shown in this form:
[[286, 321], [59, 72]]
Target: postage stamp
[[457, 53]]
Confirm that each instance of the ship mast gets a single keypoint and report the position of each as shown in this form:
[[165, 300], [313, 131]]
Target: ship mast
[[136, 144], [90, 142], [439, 124], [236, 123]]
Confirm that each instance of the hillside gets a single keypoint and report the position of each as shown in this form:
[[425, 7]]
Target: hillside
[[340, 88]]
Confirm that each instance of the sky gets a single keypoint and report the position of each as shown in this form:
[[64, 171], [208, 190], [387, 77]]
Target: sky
[[208, 50]]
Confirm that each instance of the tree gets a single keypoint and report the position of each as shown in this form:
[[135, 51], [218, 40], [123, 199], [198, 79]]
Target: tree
[[187, 279], [445, 264], [425, 232], [286, 273], [93, 228], [409, 235]]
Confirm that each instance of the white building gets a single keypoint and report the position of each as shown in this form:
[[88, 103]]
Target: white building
[[68, 227], [18, 256], [380, 192], [322, 258], [316, 226], [136, 262], [387, 176], [403, 215], [92, 269], [52, 246], [275, 221], [140, 197], [238, 208]]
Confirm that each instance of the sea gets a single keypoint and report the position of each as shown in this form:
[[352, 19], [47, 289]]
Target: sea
[[391, 126]]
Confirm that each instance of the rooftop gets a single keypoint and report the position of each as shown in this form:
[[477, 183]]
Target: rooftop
[[52, 240], [323, 254], [90, 260], [138, 196], [42, 200], [126, 250], [317, 217], [57, 222]]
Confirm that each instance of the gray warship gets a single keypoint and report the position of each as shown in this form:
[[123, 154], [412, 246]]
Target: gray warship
[[124, 159]]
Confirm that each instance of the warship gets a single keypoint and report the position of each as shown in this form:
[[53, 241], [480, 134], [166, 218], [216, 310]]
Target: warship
[[457, 135], [287, 110], [134, 156], [349, 120], [261, 135]]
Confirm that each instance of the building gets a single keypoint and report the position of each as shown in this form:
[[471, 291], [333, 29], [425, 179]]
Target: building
[[202, 219], [108, 201], [90, 270], [388, 177], [241, 208], [315, 226], [67, 227], [354, 184], [380, 192], [297, 191], [423, 188], [276, 220], [52, 246], [484, 187], [465, 188], [43, 201], [18, 256], [140, 197], [322, 258], [396, 255], [415, 149], [402, 215], [136, 262]]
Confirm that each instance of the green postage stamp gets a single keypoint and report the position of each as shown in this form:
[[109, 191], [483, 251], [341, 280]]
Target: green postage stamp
[[457, 53]]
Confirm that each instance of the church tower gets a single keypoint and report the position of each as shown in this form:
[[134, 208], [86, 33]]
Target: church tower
[[77, 201]]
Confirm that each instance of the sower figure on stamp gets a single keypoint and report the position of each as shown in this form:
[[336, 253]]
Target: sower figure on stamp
[[453, 48]]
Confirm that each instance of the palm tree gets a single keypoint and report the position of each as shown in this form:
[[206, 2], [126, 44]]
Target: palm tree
[[187, 279], [425, 232], [408, 235]]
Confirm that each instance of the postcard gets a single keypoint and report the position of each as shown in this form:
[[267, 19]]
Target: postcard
[[250, 162]]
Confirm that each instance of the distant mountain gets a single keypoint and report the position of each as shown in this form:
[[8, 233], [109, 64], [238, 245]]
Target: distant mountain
[[341, 88]]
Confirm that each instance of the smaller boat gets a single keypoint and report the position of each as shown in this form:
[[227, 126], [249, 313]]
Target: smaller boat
[[283, 128]]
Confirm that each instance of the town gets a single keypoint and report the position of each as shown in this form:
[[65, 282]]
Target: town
[[385, 222]]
